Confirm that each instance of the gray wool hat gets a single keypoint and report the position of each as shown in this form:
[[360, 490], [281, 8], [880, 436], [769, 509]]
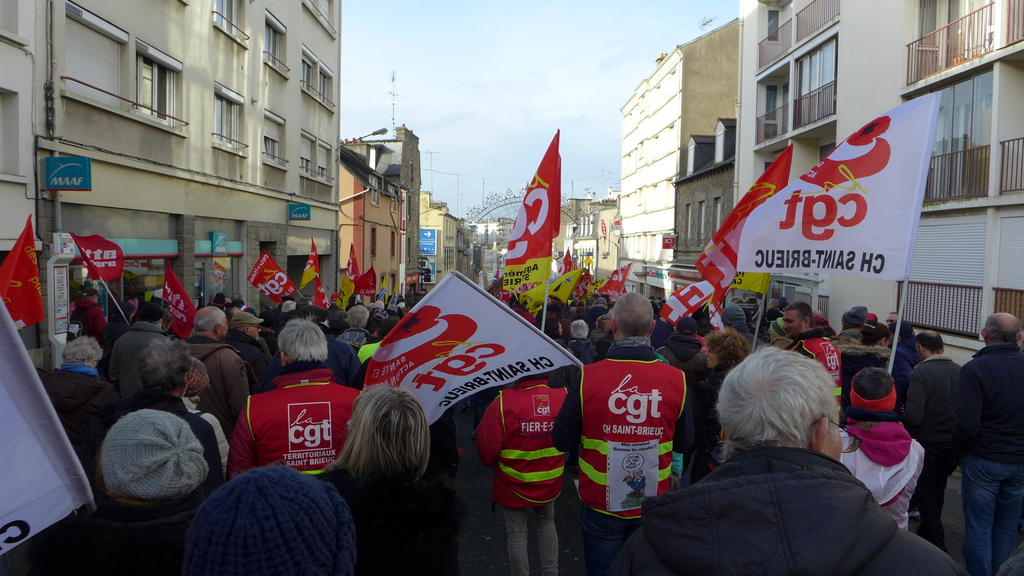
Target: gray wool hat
[[855, 317], [733, 315], [152, 456]]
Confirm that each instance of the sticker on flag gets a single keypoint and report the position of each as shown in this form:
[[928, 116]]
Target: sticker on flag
[[459, 340]]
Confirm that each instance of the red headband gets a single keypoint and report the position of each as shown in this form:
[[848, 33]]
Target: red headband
[[884, 404]]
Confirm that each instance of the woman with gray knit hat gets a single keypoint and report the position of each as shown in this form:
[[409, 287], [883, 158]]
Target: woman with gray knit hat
[[150, 475]]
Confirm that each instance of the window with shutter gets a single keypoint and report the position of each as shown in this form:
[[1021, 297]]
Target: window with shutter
[[950, 251], [92, 58], [272, 142], [1011, 238], [306, 155]]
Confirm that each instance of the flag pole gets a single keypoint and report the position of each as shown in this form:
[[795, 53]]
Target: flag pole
[[544, 309], [899, 318], [116, 305], [760, 313]]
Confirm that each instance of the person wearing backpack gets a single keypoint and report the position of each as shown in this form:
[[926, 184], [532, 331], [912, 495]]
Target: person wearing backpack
[[87, 319]]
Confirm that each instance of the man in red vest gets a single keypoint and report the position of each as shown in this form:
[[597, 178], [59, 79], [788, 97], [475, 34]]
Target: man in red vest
[[809, 340], [627, 415], [303, 422], [515, 436]]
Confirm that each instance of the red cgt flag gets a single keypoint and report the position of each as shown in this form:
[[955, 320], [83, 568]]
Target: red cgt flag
[[352, 269], [269, 279], [529, 246], [179, 304], [718, 261], [103, 258], [616, 285], [19, 280], [320, 296], [366, 283]]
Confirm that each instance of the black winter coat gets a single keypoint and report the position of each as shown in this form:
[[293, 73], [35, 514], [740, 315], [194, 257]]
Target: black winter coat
[[77, 398], [856, 357], [989, 411], [771, 512], [402, 527], [683, 352], [701, 402], [252, 355], [117, 539]]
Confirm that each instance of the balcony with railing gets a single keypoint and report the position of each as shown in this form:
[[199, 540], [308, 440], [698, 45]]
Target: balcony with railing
[[273, 159], [958, 175], [773, 124], [1010, 300], [222, 23], [275, 62], [229, 142], [815, 105], [1011, 174], [963, 39], [1015, 21], [946, 307], [776, 44], [318, 95], [814, 16], [110, 98]]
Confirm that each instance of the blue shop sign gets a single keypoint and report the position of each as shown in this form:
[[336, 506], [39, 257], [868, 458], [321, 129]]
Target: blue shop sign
[[218, 243], [67, 173], [428, 241], [299, 212]]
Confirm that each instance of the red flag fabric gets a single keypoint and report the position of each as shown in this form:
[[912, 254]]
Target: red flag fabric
[[585, 281], [718, 261], [179, 304], [616, 285], [686, 301], [320, 296], [312, 269], [566, 265], [537, 224], [103, 258], [352, 269], [366, 283], [19, 280], [269, 279]]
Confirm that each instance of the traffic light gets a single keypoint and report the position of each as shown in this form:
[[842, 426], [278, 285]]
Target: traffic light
[[427, 279]]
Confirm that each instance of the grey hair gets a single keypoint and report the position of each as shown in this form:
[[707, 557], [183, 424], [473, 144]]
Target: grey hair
[[773, 302], [579, 329], [1002, 331], [303, 341], [600, 301], [772, 399], [357, 316], [287, 306], [85, 350], [209, 318], [163, 364], [872, 383], [633, 314]]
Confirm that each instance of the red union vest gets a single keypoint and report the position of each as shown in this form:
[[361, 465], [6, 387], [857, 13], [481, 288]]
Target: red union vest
[[529, 470], [630, 409], [826, 353], [302, 426]]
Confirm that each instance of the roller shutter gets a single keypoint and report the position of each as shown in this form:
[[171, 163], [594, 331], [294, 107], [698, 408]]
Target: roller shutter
[[92, 58], [950, 251]]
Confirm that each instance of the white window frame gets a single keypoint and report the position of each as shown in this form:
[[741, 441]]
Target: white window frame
[[164, 71], [274, 43], [323, 161], [276, 152], [227, 117], [314, 70], [306, 163]]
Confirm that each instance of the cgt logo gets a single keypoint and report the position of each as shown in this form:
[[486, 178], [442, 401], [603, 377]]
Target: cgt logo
[[541, 405], [309, 426], [638, 405]]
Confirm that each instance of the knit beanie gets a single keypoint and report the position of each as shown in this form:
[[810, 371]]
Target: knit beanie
[[855, 317], [776, 328], [272, 521], [152, 456], [196, 379], [733, 315]]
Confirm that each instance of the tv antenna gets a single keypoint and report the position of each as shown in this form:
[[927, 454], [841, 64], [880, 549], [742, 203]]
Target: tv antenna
[[705, 23], [394, 100], [431, 154]]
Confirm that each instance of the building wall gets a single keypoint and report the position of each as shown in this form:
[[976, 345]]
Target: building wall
[[713, 190], [689, 90]]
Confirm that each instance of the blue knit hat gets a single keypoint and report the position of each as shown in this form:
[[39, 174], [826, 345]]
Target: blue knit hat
[[272, 521]]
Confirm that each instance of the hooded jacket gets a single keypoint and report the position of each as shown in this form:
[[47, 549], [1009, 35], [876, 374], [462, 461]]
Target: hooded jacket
[[124, 357], [857, 357], [77, 398], [229, 387], [683, 352], [771, 512], [94, 320], [888, 462], [252, 354], [402, 527]]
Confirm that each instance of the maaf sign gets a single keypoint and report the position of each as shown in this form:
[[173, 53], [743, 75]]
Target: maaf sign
[[67, 173]]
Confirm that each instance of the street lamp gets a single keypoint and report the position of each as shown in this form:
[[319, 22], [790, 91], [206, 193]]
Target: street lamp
[[379, 132]]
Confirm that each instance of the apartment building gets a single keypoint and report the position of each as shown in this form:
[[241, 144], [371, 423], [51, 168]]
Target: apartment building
[[691, 87], [813, 72], [372, 217], [442, 243], [211, 130], [595, 242]]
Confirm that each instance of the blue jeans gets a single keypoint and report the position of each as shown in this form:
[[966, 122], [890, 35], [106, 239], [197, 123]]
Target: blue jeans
[[992, 494], [603, 536]]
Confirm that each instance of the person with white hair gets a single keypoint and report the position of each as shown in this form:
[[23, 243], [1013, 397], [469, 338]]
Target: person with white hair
[[357, 336], [76, 389], [781, 503], [303, 422]]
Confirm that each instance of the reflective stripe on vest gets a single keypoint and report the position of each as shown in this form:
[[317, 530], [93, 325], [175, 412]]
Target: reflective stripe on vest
[[528, 465]]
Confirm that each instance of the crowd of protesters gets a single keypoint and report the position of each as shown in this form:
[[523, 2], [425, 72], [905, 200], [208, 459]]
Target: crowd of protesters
[[754, 442]]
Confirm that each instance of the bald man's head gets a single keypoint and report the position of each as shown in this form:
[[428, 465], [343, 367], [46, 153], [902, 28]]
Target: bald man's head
[[632, 316], [1001, 328]]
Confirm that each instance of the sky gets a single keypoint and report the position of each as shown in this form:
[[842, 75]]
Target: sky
[[485, 85]]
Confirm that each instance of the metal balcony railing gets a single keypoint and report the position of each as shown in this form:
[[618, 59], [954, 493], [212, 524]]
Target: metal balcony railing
[[274, 159], [1015, 21], [815, 105], [814, 16], [947, 307], [157, 114], [1011, 174], [235, 31], [955, 43], [956, 175], [229, 141], [1010, 300], [275, 61], [776, 44], [773, 124], [823, 305], [316, 93]]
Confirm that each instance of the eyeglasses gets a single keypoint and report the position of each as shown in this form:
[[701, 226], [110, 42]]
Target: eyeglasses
[[854, 440]]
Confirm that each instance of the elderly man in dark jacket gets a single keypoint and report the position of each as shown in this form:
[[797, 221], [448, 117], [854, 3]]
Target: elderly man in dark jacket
[[989, 418], [124, 358], [243, 336], [782, 503], [683, 350]]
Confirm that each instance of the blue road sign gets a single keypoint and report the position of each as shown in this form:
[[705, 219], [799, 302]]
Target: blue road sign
[[428, 241]]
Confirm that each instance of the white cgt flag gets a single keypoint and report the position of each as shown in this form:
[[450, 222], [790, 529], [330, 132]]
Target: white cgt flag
[[41, 480], [458, 340], [856, 212]]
